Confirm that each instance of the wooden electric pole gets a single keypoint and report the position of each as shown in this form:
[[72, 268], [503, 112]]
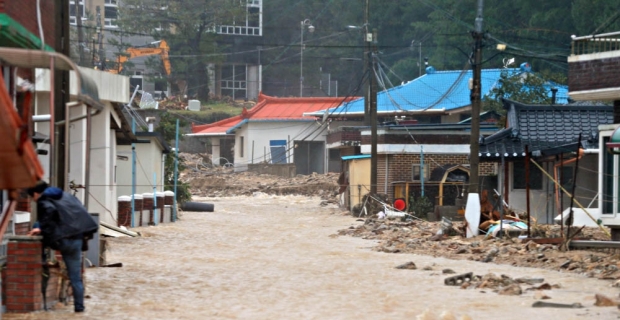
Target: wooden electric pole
[[61, 96], [372, 103], [474, 158], [366, 61]]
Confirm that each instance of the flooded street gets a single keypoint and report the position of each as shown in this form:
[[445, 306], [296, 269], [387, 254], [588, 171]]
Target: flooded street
[[269, 257]]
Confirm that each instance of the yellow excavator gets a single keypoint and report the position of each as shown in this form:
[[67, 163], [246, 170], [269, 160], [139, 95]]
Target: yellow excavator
[[161, 50]]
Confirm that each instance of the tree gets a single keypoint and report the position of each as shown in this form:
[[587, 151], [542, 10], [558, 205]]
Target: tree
[[167, 128], [188, 27], [523, 87]]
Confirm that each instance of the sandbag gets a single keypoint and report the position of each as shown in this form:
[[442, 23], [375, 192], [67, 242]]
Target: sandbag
[[197, 206]]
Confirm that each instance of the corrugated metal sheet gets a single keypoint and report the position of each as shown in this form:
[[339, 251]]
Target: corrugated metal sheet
[[437, 91]]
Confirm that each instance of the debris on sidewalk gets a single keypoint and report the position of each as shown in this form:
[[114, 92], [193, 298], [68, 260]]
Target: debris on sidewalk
[[420, 237]]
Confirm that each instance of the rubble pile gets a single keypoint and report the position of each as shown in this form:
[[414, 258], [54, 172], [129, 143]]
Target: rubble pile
[[422, 237], [173, 103], [206, 180], [503, 284]]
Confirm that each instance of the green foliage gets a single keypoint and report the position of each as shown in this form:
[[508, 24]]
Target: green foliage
[[420, 206], [167, 128], [521, 87]]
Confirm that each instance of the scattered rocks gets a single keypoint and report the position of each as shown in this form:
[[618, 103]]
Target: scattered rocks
[[540, 295], [511, 290], [447, 271], [409, 266], [603, 301]]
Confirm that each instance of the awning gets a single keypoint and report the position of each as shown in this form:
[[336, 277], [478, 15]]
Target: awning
[[13, 34], [29, 59]]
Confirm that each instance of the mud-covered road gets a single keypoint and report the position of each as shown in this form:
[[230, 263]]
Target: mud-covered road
[[269, 257]]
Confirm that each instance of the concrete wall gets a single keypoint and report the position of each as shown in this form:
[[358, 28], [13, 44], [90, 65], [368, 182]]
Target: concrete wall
[[148, 161], [257, 136], [282, 170]]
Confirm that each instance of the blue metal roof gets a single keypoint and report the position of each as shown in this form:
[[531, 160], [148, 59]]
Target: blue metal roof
[[434, 91], [358, 156]]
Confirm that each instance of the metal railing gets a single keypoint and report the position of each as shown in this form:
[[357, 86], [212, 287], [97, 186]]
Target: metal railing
[[595, 43]]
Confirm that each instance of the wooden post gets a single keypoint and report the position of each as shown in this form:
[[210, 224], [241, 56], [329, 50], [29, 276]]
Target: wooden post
[[527, 189]]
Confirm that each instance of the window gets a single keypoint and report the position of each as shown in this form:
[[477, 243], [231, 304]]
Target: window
[[278, 151], [518, 176], [416, 172], [73, 12], [248, 25], [241, 147], [110, 14]]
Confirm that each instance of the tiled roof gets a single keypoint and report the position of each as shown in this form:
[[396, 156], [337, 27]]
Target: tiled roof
[[271, 109], [437, 91], [546, 129]]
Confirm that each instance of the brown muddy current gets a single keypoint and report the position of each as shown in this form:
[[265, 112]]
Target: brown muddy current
[[268, 257]]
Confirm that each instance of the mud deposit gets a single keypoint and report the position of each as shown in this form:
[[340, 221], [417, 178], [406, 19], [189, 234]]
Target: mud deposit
[[278, 257]]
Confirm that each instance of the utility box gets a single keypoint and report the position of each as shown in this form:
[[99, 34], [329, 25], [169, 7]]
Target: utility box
[[93, 253], [193, 105]]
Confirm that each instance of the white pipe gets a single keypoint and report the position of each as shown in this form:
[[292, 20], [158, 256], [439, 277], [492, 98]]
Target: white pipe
[[41, 34], [42, 117], [592, 151]]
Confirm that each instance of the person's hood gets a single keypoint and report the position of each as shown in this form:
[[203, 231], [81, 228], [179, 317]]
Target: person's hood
[[53, 193]]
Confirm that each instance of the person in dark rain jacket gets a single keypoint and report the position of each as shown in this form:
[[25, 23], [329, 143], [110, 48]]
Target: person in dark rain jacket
[[65, 226]]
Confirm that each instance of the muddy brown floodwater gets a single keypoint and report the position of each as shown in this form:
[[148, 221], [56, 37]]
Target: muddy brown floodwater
[[269, 257]]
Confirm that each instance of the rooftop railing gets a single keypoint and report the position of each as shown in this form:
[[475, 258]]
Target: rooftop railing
[[596, 43]]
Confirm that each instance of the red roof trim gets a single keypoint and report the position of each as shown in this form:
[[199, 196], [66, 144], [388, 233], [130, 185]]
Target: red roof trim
[[264, 102]]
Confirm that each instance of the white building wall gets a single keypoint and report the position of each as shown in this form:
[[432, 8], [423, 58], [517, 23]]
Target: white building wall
[[148, 161], [257, 137], [110, 87]]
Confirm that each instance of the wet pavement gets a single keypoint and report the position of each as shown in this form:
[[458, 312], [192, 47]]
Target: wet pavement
[[270, 257]]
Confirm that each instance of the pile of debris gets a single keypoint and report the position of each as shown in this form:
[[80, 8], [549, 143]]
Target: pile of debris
[[422, 237], [206, 180], [173, 103]]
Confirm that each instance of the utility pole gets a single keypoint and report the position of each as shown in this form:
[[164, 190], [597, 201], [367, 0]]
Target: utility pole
[[78, 17], [101, 53], [372, 99], [472, 210], [474, 158], [366, 61], [61, 97]]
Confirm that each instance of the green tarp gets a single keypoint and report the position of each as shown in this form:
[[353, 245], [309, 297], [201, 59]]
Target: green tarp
[[14, 35]]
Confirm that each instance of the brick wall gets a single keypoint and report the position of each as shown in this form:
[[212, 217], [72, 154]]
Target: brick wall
[[25, 12], [22, 228], [400, 165], [147, 205], [124, 212], [23, 273], [594, 74], [23, 202]]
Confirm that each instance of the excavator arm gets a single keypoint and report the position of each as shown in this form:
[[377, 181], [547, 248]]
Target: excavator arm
[[161, 50]]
